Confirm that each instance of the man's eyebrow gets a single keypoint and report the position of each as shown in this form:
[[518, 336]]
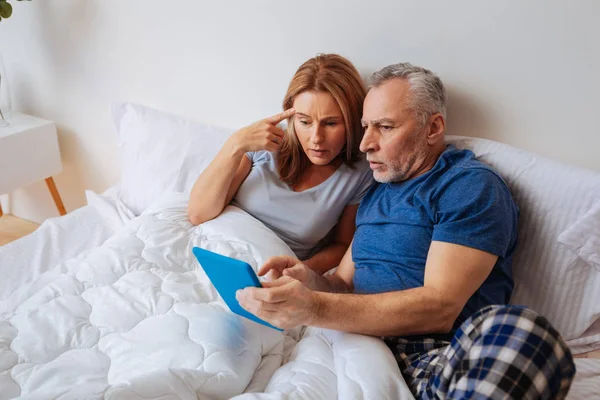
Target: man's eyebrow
[[379, 121]]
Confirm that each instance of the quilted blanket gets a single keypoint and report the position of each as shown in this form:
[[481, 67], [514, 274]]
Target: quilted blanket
[[137, 318]]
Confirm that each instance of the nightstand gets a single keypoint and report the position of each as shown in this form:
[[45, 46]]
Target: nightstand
[[29, 152]]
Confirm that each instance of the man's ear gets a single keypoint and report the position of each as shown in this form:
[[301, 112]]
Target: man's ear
[[437, 127]]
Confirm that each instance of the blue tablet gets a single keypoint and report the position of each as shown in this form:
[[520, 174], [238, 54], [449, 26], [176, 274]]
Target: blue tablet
[[229, 275]]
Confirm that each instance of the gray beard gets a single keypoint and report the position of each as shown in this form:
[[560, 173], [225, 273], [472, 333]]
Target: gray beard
[[400, 173]]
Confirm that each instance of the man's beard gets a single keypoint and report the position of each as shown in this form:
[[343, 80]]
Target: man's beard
[[397, 171]]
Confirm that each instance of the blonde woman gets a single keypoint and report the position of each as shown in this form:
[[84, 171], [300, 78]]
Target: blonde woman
[[304, 183]]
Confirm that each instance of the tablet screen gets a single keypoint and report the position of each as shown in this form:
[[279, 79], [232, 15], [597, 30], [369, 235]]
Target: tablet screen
[[229, 275]]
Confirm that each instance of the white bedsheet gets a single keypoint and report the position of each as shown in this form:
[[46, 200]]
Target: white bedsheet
[[586, 385], [137, 318]]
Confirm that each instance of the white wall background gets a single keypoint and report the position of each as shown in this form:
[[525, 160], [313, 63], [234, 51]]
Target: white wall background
[[520, 72]]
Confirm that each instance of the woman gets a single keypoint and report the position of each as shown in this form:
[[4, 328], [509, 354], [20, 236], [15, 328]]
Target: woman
[[305, 183]]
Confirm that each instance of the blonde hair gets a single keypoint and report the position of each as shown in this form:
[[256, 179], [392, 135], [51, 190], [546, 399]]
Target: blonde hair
[[328, 73]]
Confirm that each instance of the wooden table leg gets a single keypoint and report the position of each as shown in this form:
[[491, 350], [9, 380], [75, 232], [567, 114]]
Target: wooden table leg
[[54, 192]]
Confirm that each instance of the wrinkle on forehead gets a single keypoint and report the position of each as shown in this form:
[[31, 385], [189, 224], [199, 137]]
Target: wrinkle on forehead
[[390, 100], [317, 105]]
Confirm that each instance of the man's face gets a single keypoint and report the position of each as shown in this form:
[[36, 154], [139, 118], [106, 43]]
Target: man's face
[[394, 140]]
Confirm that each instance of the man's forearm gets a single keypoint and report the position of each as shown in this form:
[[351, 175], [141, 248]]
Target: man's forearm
[[408, 312]]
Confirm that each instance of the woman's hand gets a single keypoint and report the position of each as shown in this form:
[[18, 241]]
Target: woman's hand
[[262, 135]]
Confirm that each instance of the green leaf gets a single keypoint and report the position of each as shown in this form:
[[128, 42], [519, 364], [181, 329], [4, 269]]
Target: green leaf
[[5, 9]]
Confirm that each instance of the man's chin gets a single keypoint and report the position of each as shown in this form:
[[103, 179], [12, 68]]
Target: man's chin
[[381, 177], [387, 176]]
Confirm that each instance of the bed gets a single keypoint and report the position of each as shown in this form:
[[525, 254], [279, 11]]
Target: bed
[[107, 302]]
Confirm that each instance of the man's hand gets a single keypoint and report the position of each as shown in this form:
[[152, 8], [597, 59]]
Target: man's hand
[[274, 266], [280, 266], [285, 303]]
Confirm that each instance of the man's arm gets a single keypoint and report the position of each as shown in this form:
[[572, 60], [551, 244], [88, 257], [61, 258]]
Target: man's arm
[[452, 275]]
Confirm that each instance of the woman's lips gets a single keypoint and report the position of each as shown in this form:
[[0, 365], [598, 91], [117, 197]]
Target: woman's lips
[[318, 153]]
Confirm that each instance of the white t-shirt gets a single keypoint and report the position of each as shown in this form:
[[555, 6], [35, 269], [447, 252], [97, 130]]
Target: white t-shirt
[[301, 219]]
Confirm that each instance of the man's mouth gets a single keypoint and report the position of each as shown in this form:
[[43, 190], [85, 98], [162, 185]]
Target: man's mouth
[[374, 164]]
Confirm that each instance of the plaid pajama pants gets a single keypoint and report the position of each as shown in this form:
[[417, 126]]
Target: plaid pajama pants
[[500, 352]]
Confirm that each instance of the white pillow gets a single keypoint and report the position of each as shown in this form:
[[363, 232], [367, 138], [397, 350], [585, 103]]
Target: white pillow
[[583, 237], [160, 152], [549, 277]]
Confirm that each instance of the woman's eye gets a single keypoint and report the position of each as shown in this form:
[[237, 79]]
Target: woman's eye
[[330, 123], [303, 122]]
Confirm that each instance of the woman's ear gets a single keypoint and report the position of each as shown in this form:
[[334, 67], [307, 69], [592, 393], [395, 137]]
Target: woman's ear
[[437, 127]]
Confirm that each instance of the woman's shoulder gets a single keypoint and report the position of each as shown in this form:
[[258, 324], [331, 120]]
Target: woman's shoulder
[[359, 168], [359, 179]]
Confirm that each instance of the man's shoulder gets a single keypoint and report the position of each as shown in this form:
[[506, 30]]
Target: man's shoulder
[[481, 174], [463, 168], [474, 186]]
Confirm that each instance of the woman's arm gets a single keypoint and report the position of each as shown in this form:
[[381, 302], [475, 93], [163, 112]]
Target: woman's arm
[[220, 181], [217, 185], [331, 255]]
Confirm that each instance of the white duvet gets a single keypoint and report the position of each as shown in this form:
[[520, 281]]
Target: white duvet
[[137, 318]]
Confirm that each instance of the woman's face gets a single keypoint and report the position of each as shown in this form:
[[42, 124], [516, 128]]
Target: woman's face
[[319, 126]]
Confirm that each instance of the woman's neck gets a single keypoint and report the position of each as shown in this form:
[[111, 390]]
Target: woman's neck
[[314, 175]]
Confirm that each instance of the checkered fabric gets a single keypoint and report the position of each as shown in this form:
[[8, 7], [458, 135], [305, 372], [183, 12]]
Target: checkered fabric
[[500, 352]]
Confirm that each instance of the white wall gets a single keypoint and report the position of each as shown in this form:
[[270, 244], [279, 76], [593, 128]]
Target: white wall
[[519, 72]]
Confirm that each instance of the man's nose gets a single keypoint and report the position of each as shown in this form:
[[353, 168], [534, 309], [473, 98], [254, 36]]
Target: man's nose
[[368, 142]]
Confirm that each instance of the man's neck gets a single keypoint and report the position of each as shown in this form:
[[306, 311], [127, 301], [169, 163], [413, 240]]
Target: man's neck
[[430, 159]]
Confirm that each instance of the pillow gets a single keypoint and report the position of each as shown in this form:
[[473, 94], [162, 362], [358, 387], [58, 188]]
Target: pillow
[[583, 237], [553, 198], [160, 152]]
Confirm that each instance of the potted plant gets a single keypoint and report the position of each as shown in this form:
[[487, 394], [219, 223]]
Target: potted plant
[[6, 9], [5, 105]]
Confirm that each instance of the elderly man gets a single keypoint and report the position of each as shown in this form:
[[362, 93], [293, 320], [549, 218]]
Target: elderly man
[[429, 269]]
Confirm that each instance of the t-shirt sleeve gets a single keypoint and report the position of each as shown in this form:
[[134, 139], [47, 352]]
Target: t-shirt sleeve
[[258, 156], [476, 209], [364, 184]]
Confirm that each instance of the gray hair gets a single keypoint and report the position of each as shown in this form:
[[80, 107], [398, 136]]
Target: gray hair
[[428, 92]]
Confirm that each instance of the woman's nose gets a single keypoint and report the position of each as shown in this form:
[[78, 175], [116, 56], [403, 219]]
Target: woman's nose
[[317, 136]]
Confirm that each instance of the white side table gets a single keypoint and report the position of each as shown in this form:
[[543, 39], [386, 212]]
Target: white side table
[[29, 152]]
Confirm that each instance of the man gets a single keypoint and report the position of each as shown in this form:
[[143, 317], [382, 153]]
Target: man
[[429, 269]]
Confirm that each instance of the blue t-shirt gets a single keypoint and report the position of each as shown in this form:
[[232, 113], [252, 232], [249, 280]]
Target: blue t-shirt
[[460, 200]]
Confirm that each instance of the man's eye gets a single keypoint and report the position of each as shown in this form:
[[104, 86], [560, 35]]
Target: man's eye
[[385, 127]]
